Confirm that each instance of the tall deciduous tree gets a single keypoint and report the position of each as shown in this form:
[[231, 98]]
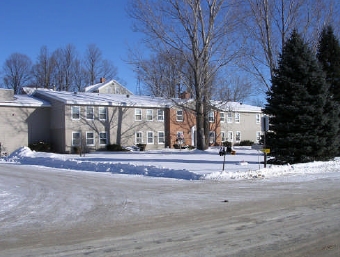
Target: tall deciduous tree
[[17, 72], [297, 104], [267, 23], [201, 31], [42, 70]]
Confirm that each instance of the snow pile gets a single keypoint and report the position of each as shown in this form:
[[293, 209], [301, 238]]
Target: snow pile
[[171, 163]]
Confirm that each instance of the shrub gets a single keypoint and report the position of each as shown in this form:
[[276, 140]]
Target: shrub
[[114, 147], [40, 147], [246, 143]]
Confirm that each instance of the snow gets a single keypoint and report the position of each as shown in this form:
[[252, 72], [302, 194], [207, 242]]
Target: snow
[[177, 164]]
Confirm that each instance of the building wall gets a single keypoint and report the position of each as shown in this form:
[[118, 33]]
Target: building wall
[[249, 126], [20, 126]]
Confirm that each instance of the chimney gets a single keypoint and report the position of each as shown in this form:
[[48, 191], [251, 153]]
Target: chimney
[[185, 95], [102, 80]]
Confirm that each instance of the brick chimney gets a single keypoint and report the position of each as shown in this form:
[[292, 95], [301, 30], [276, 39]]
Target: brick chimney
[[185, 95], [102, 80]]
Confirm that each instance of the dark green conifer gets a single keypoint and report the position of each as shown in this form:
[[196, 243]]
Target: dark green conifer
[[296, 105]]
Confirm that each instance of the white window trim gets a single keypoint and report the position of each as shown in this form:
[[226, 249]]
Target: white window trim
[[258, 136], [240, 139], [181, 120], [103, 132], [147, 139], [223, 136], [211, 116], [86, 112], [139, 114], [94, 138], [76, 132], [229, 117], [238, 119], [222, 120], [147, 114], [140, 137], [78, 112], [232, 136], [258, 118], [158, 110], [161, 137], [214, 137], [99, 113]]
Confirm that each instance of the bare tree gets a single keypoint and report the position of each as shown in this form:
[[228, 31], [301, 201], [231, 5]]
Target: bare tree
[[17, 72], [201, 31], [92, 63], [42, 71], [267, 23]]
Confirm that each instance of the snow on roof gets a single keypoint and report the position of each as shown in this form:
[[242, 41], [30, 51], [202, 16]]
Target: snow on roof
[[236, 106], [25, 101], [84, 98]]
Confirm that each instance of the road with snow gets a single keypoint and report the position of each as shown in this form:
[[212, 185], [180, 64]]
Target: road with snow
[[54, 212]]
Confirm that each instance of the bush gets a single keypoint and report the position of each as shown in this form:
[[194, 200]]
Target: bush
[[246, 143], [114, 148], [40, 147]]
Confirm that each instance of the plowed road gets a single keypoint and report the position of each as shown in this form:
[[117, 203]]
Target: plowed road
[[49, 212]]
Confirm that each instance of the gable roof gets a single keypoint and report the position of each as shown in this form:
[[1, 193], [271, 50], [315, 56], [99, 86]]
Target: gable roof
[[96, 87]]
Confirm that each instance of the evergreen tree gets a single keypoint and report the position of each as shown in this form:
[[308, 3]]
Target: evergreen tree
[[296, 105], [329, 56]]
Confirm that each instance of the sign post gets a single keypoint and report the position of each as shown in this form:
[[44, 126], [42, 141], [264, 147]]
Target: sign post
[[265, 128]]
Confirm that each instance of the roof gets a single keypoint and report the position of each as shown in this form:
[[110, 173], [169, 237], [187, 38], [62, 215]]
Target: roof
[[25, 101], [236, 107], [96, 87], [84, 98]]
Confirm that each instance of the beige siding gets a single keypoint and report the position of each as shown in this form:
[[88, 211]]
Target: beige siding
[[20, 126], [247, 126]]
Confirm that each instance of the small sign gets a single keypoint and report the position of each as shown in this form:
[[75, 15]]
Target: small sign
[[265, 150]]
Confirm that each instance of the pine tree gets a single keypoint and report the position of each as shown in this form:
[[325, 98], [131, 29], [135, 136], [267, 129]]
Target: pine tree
[[329, 56], [296, 105]]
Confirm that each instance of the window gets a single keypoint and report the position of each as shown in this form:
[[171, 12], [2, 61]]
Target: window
[[161, 137], [139, 137], [150, 137], [229, 117], [89, 112], [102, 113], [138, 114], [211, 137], [103, 138], [76, 137], [222, 119], [75, 112], [237, 117], [179, 115], [230, 136], [258, 136], [258, 118], [223, 136], [149, 115], [180, 137], [238, 136], [89, 138], [160, 115], [211, 117]]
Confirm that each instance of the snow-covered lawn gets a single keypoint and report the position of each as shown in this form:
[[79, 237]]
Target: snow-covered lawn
[[178, 164]]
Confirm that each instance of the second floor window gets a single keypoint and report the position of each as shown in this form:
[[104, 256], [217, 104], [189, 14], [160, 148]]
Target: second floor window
[[211, 117], [149, 115], [102, 113], [222, 117], [89, 112], [138, 114], [75, 112], [258, 118], [229, 117], [179, 115], [160, 115], [237, 117]]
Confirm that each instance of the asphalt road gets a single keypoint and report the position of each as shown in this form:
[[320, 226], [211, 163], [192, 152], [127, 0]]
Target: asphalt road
[[49, 212]]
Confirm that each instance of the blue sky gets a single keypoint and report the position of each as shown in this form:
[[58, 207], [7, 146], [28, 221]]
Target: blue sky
[[27, 25]]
